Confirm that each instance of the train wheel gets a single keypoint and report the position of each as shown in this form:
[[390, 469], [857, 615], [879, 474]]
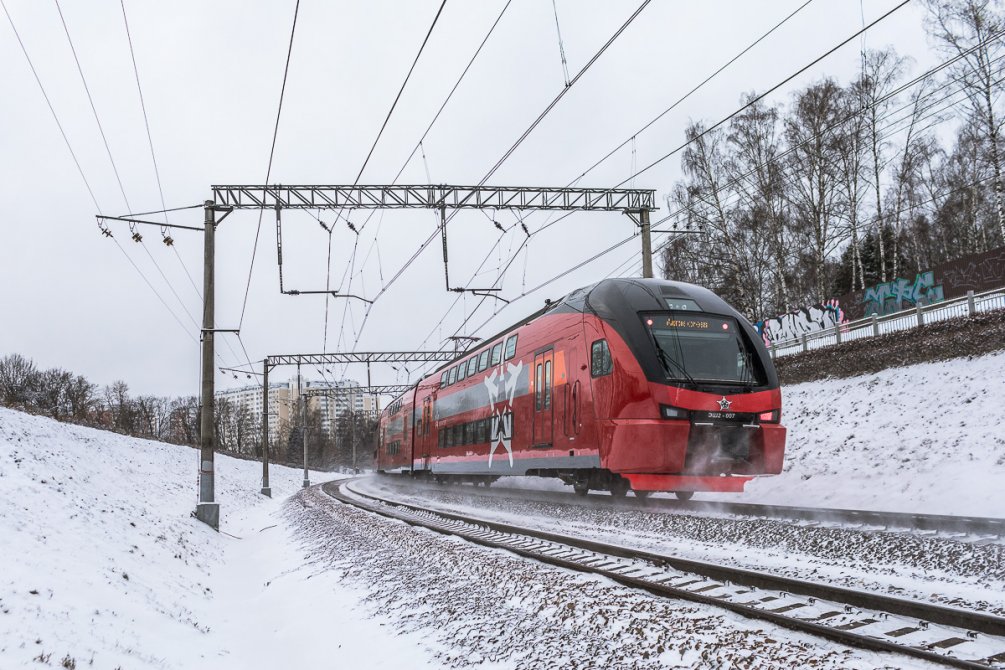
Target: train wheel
[[619, 488], [581, 488], [684, 495], [642, 495]]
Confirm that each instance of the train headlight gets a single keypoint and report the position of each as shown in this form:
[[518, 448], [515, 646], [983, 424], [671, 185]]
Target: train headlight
[[670, 412], [774, 416]]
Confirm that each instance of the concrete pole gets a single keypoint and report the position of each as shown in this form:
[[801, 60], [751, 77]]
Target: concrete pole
[[266, 489], [303, 423], [352, 437], [208, 510], [647, 245]]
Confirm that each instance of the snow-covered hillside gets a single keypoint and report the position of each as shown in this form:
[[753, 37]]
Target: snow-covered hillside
[[923, 438], [101, 564]]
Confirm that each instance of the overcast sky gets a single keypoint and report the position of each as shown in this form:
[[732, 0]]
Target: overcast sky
[[211, 76]]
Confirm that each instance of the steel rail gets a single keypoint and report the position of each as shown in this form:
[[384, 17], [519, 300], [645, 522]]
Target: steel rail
[[908, 521], [610, 561]]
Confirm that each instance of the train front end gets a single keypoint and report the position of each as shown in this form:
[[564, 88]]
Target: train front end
[[697, 406]]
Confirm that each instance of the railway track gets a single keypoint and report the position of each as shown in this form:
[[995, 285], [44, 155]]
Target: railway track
[[944, 635], [979, 527]]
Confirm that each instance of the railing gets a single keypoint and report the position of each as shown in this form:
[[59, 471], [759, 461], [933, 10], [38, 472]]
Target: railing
[[874, 325]]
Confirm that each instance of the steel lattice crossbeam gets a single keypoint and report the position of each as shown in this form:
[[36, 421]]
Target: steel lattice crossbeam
[[362, 357], [434, 197], [387, 389]]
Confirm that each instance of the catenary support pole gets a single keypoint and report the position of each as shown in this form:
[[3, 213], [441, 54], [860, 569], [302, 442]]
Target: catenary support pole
[[303, 423], [266, 489], [352, 438], [208, 510], [647, 244]]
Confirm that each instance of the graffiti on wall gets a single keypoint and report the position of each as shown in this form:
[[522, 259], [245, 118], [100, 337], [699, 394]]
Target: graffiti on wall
[[807, 320], [893, 296], [978, 273]]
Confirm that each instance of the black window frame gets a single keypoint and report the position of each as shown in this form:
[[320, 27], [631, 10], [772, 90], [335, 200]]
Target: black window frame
[[496, 357], [472, 366], [508, 352], [462, 373], [452, 379], [483, 360], [444, 379], [607, 362]]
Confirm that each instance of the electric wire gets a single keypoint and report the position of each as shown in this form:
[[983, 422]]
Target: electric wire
[[754, 100], [48, 102], [272, 152], [550, 221], [150, 144], [87, 90], [509, 153]]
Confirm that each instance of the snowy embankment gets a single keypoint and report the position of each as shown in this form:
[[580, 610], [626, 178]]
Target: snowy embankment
[[101, 564], [924, 438]]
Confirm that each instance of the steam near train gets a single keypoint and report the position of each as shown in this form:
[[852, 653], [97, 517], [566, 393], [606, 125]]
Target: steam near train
[[638, 384]]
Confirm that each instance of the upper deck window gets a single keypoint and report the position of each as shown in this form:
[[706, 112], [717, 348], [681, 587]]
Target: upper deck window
[[496, 354], [483, 360], [462, 371], [453, 376], [472, 366], [510, 347]]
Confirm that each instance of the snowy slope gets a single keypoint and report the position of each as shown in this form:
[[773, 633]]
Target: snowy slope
[[101, 563], [923, 438]]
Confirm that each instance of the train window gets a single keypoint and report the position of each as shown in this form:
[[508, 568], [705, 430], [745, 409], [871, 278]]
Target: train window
[[468, 433], [483, 360], [458, 435], [510, 347], [444, 379], [484, 435], [449, 430], [472, 366], [453, 376], [547, 384], [537, 387], [600, 359], [462, 371], [496, 354], [441, 440]]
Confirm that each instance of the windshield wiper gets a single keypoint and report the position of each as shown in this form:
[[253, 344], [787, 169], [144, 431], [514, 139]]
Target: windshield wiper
[[669, 360]]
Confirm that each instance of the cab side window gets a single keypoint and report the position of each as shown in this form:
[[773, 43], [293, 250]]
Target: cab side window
[[600, 359]]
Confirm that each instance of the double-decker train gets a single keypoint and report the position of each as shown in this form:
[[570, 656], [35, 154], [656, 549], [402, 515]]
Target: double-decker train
[[638, 384]]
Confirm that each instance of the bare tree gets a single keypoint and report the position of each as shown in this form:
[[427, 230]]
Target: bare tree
[[881, 70], [973, 30], [18, 380], [815, 179]]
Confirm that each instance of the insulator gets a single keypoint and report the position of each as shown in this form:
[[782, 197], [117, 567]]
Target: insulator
[[137, 237], [106, 232], [525, 231], [498, 225], [168, 241]]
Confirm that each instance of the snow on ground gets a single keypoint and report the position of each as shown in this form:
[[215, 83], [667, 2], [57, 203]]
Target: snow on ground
[[926, 438], [101, 564]]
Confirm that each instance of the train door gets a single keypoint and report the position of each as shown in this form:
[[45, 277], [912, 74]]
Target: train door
[[544, 410], [426, 431]]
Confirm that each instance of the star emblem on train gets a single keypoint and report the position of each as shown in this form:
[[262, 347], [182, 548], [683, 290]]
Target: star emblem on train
[[724, 404], [501, 385]]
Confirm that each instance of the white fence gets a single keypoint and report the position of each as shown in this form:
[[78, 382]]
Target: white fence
[[874, 325]]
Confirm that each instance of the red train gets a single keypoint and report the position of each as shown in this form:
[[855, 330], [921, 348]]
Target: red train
[[638, 384]]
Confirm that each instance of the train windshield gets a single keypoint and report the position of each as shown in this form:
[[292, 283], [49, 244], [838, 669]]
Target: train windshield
[[704, 348]]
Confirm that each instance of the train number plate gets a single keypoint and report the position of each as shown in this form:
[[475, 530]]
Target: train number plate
[[722, 417]]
